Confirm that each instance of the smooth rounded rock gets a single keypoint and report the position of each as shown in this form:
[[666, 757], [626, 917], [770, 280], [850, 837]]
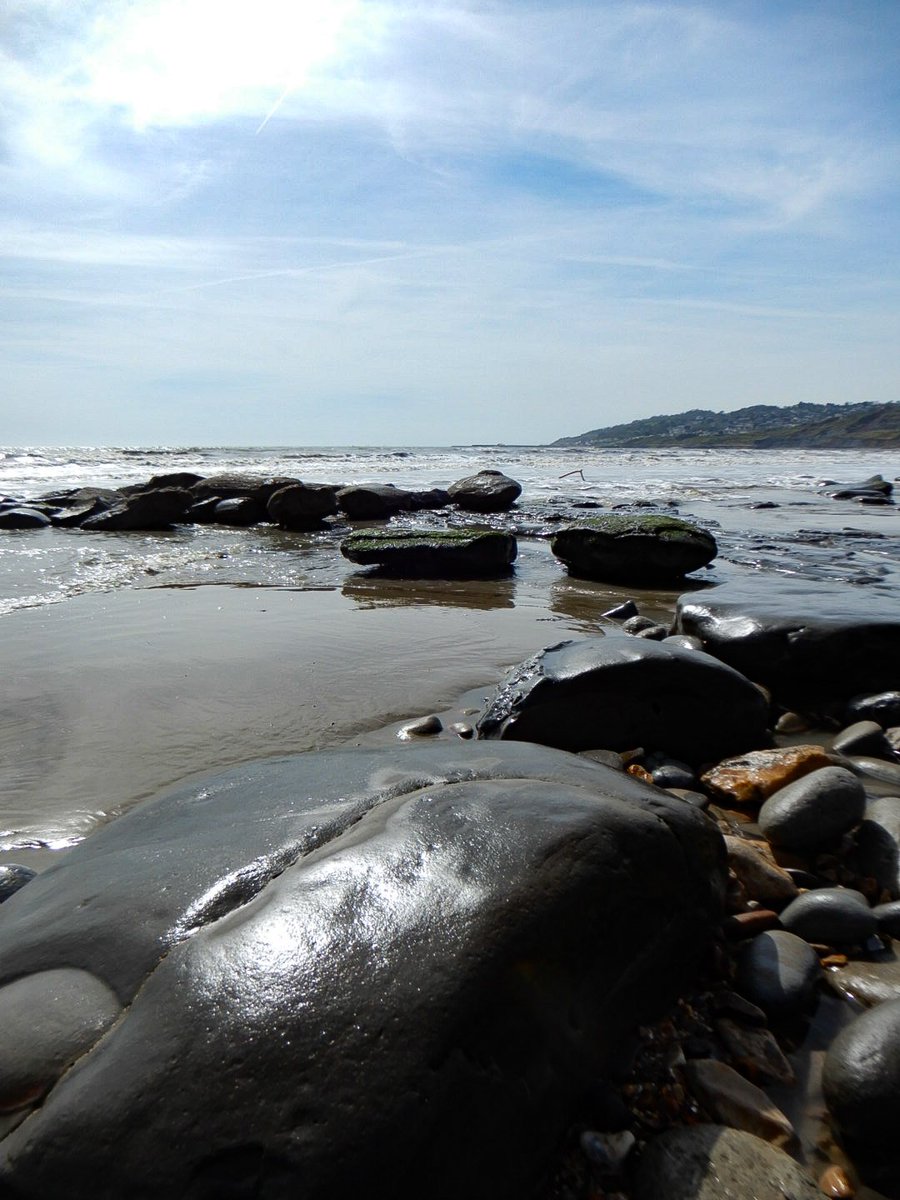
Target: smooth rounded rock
[[618, 692], [753, 778], [888, 918], [863, 737], [762, 879], [878, 843], [142, 511], [441, 554], [712, 1162], [779, 972], [372, 501], [488, 491], [302, 506], [861, 1078], [883, 708], [833, 916], [815, 810]]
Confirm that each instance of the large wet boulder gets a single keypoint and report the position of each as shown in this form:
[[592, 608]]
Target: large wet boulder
[[237, 486], [633, 548], [810, 642], [302, 505], [144, 510], [488, 491], [372, 501], [875, 489], [342, 974], [442, 554], [618, 692]]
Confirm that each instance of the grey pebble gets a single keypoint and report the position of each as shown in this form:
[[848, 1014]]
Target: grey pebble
[[778, 971], [814, 810], [831, 915]]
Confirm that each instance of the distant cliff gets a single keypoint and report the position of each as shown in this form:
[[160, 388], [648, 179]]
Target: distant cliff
[[831, 426]]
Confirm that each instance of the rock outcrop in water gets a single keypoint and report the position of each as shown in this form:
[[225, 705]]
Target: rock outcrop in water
[[636, 548], [347, 973], [443, 554]]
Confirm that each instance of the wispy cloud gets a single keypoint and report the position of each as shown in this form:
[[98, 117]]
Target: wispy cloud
[[476, 204]]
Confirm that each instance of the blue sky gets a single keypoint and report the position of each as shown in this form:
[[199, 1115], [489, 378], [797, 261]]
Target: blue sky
[[331, 221]]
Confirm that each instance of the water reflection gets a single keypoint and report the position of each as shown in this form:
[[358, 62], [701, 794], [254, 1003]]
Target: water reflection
[[384, 591]]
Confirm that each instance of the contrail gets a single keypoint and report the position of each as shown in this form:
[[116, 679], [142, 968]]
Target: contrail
[[274, 109]]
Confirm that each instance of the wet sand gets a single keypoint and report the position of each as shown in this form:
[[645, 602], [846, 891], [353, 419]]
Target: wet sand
[[108, 699]]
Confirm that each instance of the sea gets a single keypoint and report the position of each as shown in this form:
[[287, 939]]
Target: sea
[[132, 662], [799, 532]]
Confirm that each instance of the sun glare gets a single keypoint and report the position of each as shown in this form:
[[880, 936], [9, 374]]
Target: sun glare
[[172, 62]]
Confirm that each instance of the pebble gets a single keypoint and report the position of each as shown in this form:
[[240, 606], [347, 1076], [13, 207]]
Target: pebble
[[868, 982], [755, 1051], [655, 633], [835, 1182], [878, 843], [622, 611], [761, 877], [752, 778], [835, 916], [12, 877], [791, 722], [865, 737], [637, 623], [732, 1100], [686, 641], [424, 727], [607, 1151], [462, 729], [670, 772], [778, 971], [876, 768], [748, 924], [815, 810]]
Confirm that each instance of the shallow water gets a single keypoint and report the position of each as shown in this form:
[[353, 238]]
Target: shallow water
[[134, 660]]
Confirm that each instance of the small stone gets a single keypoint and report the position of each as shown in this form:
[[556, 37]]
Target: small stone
[[762, 878], [607, 1151], [462, 729], [791, 722], [861, 1078], [884, 707], [778, 971], [752, 778], [424, 727], [654, 633], [888, 918], [815, 810], [686, 641], [875, 768], [734, 1101], [835, 916], [622, 611], [636, 771], [835, 1182], [744, 925], [864, 737], [637, 623], [756, 1052]]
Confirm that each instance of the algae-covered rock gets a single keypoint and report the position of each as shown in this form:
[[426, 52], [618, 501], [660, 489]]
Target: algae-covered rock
[[633, 548], [448, 553]]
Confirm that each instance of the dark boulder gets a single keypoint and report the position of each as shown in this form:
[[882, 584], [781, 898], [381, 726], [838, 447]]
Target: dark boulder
[[239, 511], [447, 554], [76, 515], [618, 692], [23, 517], [145, 510], [883, 708], [302, 505], [488, 491], [237, 487], [429, 499], [12, 877], [874, 489], [79, 497], [372, 501], [810, 642], [179, 479], [346, 973], [633, 548]]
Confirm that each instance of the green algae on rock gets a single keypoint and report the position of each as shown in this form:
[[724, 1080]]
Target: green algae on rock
[[445, 554], [633, 547]]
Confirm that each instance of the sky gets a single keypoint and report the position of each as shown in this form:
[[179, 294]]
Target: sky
[[321, 222]]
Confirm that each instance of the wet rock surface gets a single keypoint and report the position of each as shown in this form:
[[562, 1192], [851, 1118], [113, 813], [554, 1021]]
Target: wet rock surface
[[808, 642], [617, 692], [779, 972], [488, 491], [814, 810], [415, 920]]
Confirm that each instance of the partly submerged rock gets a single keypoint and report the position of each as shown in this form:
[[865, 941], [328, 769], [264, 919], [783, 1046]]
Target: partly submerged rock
[[446, 554], [373, 501], [302, 505], [633, 548], [236, 486], [618, 692], [333, 971], [488, 491], [23, 517], [144, 510]]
